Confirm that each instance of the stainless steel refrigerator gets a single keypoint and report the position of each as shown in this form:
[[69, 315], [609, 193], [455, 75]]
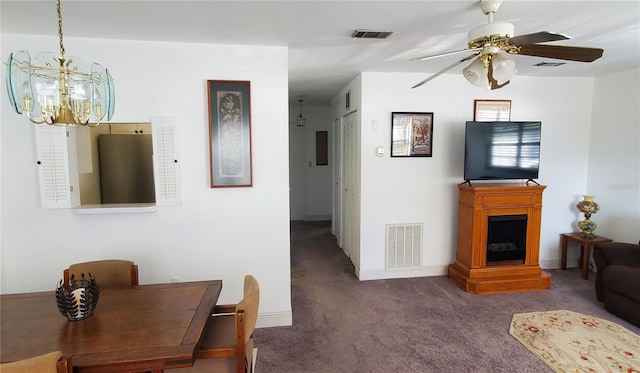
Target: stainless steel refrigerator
[[126, 169]]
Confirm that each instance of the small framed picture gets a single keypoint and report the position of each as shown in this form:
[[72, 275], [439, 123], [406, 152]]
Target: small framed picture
[[491, 110], [322, 148], [230, 133], [411, 134]]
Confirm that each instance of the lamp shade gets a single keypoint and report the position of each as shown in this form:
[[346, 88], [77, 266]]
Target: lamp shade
[[476, 73], [503, 68]]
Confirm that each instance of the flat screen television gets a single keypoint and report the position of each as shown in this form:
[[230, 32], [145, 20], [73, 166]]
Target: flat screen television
[[501, 150]]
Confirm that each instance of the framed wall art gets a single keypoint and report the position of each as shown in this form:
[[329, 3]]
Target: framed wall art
[[411, 134], [322, 148], [491, 110], [230, 133]]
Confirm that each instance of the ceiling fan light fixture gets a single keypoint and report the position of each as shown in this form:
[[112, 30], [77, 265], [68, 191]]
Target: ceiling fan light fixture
[[490, 6], [489, 33], [503, 68], [489, 44], [477, 73]]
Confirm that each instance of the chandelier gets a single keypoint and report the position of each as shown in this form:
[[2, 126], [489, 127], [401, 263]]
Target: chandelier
[[59, 91], [300, 120]]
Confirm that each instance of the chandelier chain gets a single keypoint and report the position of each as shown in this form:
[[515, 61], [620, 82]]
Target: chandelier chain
[[60, 28]]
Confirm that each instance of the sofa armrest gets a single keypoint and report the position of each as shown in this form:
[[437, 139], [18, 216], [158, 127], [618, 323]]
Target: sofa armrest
[[616, 253], [621, 253]]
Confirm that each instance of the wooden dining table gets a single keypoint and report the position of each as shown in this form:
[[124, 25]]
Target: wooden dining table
[[145, 328]]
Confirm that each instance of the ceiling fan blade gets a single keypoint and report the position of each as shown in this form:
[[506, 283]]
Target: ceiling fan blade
[[537, 37], [423, 58], [445, 69], [580, 54]]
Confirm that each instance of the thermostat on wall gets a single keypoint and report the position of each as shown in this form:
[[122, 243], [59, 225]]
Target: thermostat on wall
[[380, 151]]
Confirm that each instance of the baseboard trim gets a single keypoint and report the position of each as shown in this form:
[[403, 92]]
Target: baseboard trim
[[271, 319], [551, 264], [403, 273], [571, 263]]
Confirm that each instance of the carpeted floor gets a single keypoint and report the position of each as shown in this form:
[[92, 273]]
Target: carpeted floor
[[427, 324]]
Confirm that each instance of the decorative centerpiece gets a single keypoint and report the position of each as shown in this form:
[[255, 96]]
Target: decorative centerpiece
[[587, 206], [79, 299]]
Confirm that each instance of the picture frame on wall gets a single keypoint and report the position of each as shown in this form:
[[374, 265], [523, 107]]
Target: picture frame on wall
[[411, 134], [322, 148], [230, 133], [491, 110]]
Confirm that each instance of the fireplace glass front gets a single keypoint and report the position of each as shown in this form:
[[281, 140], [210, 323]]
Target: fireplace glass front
[[507, 238]]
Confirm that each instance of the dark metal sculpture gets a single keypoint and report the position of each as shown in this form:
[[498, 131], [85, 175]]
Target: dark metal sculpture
[[78, 300]]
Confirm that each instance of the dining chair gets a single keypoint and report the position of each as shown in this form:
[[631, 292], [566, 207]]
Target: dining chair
[[227, 342], [112, 273], [52, 362]]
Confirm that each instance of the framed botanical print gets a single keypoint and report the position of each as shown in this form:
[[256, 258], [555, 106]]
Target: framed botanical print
[[230, 133]]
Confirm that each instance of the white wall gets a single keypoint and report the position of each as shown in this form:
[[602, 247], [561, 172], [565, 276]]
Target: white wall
[[215, 233], [311, 185], [424, 190], [614, 156]]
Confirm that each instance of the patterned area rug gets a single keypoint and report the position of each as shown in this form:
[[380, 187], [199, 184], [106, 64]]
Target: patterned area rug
[[573, 342]]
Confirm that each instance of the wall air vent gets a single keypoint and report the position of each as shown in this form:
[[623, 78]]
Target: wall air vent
[[551, 64], [371, 34], [404, 246]]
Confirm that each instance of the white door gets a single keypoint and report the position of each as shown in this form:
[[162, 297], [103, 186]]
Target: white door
[[336, 219], [349, 184]]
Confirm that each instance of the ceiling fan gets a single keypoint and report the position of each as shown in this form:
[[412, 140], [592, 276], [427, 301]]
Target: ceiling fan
[[489, 43]]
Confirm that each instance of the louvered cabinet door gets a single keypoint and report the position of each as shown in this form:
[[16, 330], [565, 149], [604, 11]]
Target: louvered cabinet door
[[53, 166], [166, 168], [350, 210]]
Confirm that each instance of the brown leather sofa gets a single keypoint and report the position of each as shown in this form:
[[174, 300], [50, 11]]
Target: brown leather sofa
[[618, 278]]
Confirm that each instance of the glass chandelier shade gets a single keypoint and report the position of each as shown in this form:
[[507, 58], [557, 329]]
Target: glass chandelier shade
[[300, 120], [59, 91]]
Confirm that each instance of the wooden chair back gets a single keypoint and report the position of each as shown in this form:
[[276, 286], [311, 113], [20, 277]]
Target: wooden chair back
[[52, 362], [230, 330], [112, 273]]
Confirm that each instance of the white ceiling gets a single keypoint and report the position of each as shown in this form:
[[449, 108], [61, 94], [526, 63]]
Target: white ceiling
[[323, 57]]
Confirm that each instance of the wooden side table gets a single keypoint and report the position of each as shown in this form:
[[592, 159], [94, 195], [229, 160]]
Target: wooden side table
[[585, 247]]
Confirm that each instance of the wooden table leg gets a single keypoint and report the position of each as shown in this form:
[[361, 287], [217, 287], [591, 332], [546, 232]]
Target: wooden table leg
[[563, 245], [585, 260]]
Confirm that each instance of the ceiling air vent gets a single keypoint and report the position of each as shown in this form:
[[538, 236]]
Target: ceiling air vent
[[371, 34], [552, 64]]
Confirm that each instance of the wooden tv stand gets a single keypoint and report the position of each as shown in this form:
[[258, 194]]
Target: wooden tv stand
[[471, 271]]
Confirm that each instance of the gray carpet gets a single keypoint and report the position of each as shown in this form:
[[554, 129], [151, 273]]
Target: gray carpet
[[341, 324]]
